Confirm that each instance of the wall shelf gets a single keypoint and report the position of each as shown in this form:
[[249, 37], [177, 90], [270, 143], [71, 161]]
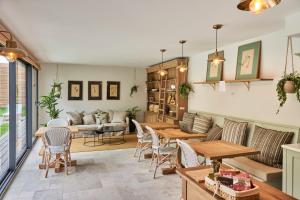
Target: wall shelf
[[246, 82]]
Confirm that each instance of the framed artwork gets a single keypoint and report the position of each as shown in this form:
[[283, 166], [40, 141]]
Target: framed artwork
[[75, 90], [248, 61], [113, 90], [214, 71], [95, 90]]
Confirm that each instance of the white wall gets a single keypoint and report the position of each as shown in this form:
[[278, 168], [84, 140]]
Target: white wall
[[260, 102], [94, 73]]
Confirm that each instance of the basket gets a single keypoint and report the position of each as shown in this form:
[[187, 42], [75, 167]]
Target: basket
[[230, 194]]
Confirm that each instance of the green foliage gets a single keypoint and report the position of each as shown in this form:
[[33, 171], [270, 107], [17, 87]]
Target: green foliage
[[3, 110], [185, 89], [131, 112], [295, 77], [133, 89], [56, 87], [49, 103], [4, 129]]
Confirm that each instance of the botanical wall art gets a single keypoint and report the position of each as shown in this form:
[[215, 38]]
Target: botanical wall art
[[113, 90], [95, 90], [214, 69], [248, 61], [75, 90]]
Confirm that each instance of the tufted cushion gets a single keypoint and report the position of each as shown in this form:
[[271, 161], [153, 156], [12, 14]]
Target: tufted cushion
[[201, 124], [234, 132], [215, 133], [74, 117], [269, 142]]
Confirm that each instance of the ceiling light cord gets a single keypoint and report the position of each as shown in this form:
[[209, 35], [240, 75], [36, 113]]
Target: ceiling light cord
[[216, 41]]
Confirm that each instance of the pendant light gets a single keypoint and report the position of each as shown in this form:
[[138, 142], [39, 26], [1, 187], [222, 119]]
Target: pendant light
[[162, 72], [11, 50], [257, 6], [182, 67], [216, 58]]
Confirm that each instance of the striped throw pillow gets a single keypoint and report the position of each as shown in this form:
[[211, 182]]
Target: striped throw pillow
[[215, 133], [269, 142], [186, 124], [201, 124], [234, 131]]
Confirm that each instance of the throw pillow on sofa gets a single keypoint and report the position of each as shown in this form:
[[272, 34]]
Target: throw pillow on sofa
[[74, 117], [201, 124], [88, 119], [215, 133], [101, 118], [186, 124], [269, 142], [234, 131], [110, 115], [119, 117]]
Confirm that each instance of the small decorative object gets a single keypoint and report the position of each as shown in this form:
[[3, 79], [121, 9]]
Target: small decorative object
[[257, 6], [75, 90], [154, 90], [169, 99], [248, 61], [131, 113], [133, 90], [151, 107], [185, 89], [172, 101], [95, 90], [49, 102], [156, 108], [214, 69], [151, 99], [113, 90], [173, 87], [290, 83], [172, 113]]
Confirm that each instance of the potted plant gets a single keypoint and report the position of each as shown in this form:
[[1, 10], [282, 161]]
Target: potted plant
[[131, 114], [185, 89], [49, 102], [288, 84]]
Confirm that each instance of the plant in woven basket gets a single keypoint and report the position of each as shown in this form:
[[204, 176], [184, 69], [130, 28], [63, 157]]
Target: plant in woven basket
[[290, 83], [185, 89]]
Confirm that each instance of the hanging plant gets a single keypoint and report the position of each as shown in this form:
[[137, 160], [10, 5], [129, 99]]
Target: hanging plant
[[133, 90], [185, 89], [290, 83], [56, 87]]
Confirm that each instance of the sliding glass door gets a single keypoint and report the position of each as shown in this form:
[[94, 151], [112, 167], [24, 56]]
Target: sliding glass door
[[4, 117], [34, 101], [21, 142]]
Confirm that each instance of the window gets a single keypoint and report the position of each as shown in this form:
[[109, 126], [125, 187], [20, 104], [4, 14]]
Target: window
[[21, 142], [4, 117]]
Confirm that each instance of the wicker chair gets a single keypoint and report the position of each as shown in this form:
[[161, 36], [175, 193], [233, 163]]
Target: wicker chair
[[144, 140], [57, 143], [160, 154], [189, 156]]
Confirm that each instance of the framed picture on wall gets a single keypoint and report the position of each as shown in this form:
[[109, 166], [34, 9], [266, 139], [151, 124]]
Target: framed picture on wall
[[214, 71], [248, 61], [95, 90], [75, 90], [113, 90]]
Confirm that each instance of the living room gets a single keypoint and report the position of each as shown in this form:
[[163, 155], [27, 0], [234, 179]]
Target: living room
[[149, 100]]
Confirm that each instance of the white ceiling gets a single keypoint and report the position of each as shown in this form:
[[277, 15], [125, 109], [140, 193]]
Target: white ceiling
[[131, 32]]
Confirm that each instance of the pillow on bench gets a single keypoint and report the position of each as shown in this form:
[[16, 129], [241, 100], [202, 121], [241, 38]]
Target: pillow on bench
[[74, 117], [234, 131], [201, 124], [269, 142], [215, 133], [186, 124]]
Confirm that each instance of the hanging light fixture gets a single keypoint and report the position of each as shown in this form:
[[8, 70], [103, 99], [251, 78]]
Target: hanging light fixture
[[11, 50], [162, 72], [257, 6], [217, 58], [182, 67]]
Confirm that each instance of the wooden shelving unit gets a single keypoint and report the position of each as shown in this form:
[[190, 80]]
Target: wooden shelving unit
[[246, 82], [164, 92]]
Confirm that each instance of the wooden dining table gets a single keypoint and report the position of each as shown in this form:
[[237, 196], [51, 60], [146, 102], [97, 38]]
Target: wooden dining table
[[160, 125], [58, 168]]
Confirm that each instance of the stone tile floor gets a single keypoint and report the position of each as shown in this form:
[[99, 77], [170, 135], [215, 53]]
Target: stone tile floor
[[102, 175]]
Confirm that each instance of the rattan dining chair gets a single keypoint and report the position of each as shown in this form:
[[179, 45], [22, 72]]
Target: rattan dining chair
[[57, 143], [144, 140], [189, 157], [160, 153]]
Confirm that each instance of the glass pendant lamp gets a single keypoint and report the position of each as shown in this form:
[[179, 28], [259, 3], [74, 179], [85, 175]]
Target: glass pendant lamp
[[11, 50], [161, 71], [217, 58]]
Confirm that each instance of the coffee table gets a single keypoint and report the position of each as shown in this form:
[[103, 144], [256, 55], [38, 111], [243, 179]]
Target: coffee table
[[94, 134], [113, 129]]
